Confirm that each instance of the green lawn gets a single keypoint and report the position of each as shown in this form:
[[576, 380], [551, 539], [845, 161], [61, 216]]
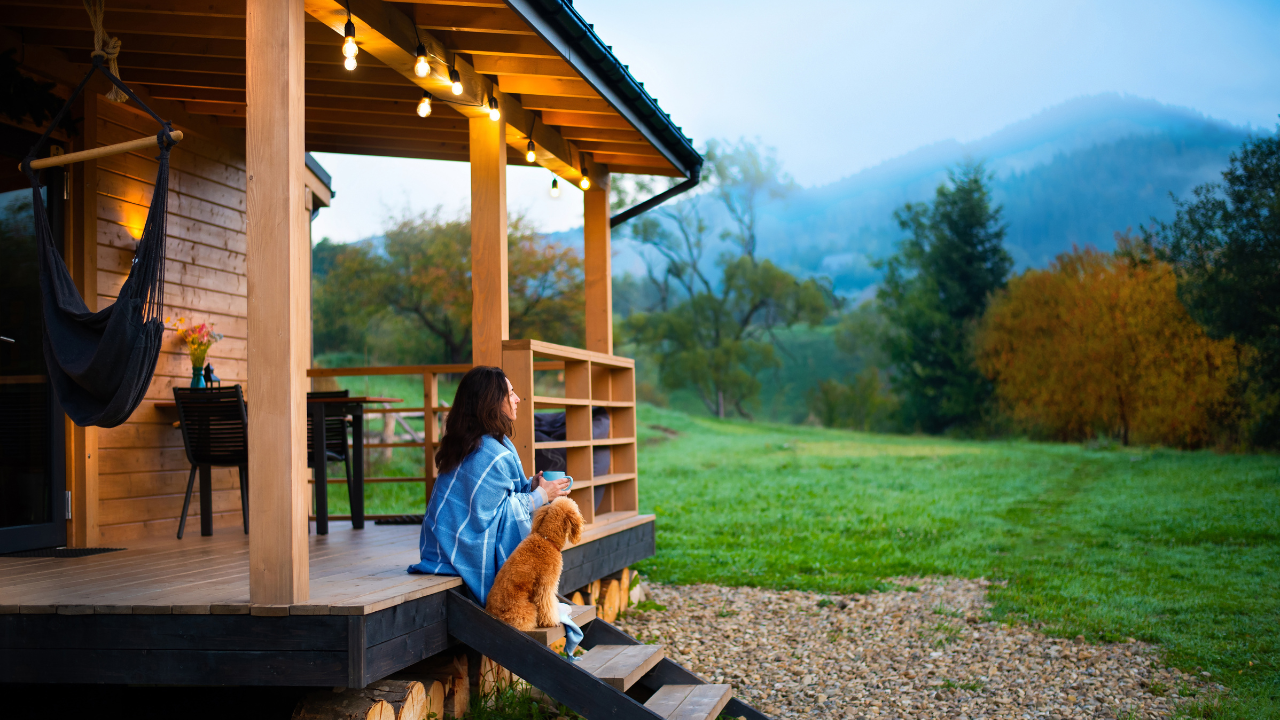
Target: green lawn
[[1178, 548]]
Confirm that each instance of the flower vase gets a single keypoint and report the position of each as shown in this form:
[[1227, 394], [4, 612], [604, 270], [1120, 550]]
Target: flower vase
[[197, 377]]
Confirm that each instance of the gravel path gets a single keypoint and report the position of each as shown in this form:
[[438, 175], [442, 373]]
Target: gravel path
[[926, 653]]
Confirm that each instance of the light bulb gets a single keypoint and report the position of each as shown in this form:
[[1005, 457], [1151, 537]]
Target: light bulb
[[456, 80], [422, 68], [530, 155], [585, 183], [494, 113], [349, 63], [349, 47], [555, 188], [424, 105]]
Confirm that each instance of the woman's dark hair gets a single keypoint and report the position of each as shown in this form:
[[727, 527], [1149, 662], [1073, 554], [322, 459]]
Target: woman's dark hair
[[479, 409]]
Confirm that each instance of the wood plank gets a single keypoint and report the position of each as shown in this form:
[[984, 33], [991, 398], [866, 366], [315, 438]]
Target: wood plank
[[598, 656], [623, 670], [546, 86], [568, 104], [667, 699], [279, 285], [704, 702], [489, 305], [473, 19], [587, 120], [478, 43], [597, 263], [506, 65]]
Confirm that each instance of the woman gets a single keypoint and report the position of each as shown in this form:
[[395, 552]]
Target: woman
[[482, 504]]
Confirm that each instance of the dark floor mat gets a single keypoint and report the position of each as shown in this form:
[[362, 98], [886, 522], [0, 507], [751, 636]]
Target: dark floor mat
[[399, 520], [62, 552]]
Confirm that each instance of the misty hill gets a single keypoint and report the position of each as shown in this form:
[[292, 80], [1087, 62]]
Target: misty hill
[[1073, 174]]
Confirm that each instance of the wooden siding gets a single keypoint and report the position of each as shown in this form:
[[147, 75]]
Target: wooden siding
[[142, 471]]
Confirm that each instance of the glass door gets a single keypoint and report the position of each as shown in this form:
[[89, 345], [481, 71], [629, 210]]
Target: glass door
[[32, 476]]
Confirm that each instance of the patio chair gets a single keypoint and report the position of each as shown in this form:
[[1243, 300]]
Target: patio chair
[[336, 448], [215, 433]]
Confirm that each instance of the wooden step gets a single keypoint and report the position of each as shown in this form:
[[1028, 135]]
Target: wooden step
[[581, 614], [621, 665], [690, 702]]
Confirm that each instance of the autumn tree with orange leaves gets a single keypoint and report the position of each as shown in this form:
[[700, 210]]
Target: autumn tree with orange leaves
[[1100, 343]]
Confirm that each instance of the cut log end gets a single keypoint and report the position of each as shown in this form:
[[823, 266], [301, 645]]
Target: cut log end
[[383, 700]]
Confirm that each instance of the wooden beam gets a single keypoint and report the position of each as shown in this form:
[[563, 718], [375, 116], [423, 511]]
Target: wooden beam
[[385, 32], [277, 259], [82, 261], [388, 152], [583, 105], [556, 87], [604, 135], [597, 257], [596, 147], [489, 305], [505, 65], [491, 44], [473, 19], [639, 170], [630, 159], [574, 119]]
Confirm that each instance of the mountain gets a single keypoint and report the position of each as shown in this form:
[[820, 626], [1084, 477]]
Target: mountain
[[1073, 174]]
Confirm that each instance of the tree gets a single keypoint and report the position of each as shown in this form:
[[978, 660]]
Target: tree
[[935, 288], [714, 334], [1099, 343], [421, 275], [1224, 246], [866, 402]]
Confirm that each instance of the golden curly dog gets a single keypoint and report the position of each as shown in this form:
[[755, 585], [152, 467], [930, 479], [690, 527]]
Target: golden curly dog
[[524, 591]]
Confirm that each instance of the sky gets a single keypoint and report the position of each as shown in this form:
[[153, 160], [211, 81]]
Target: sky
[[837, 86]]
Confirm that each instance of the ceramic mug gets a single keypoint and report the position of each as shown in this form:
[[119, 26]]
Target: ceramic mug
[[553, 475]]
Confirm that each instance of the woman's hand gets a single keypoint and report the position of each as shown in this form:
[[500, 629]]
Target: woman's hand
[[555, 488]]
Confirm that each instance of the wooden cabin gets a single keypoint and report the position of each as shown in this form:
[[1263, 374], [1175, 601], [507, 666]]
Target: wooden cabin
[[254, 87]]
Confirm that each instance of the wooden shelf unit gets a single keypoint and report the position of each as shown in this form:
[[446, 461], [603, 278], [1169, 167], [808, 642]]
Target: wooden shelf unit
[[591, 380]]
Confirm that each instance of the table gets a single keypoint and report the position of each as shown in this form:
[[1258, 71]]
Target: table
[[318, 409]]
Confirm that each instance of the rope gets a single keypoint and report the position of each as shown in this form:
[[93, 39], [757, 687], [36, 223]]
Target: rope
[[104, 46]]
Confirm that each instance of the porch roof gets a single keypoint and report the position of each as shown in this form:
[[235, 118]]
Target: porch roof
[[555, 81]]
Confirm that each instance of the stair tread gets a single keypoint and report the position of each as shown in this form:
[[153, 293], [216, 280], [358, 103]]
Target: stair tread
[[690, 702], [581, 614], [621, 665]]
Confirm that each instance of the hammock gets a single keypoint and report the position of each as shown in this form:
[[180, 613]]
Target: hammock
[[100, 363]]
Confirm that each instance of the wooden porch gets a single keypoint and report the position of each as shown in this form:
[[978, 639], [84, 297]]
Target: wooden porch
[[169, 611]]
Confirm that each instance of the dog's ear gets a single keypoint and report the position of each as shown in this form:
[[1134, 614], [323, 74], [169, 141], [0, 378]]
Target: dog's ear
[[573, 522], [540, 517]]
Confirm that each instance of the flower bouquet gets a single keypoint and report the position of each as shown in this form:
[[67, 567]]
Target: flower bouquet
[[199, 338]]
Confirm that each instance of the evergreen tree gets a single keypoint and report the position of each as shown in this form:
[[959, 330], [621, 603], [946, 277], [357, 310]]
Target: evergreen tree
[[1224, 246], [935, 289]]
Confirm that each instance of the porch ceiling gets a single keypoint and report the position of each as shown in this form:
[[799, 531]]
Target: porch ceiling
[[193, 51]]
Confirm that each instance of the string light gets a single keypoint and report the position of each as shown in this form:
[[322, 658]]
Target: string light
[[424, 105], [494, 113], [349, 47], [555, 187], [422, 68], [530, 155], [456, 80], [585, 183]]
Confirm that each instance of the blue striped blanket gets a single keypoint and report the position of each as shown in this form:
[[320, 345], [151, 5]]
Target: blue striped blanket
[[479, 512]]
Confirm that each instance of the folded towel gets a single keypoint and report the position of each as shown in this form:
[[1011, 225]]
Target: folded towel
[[572, 633]]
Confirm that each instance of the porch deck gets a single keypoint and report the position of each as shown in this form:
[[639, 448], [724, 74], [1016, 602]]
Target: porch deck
[[178, 612]]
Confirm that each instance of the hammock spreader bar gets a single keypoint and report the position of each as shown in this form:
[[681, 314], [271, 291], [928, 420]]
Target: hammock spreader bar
[[100, 363]]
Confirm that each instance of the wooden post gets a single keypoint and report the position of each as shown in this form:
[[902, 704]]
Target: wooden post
[[598, 263], [82, 256], [489, 309], [279, 318]]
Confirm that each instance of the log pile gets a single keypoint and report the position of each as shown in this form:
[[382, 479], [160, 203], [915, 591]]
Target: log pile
[[383, 700]]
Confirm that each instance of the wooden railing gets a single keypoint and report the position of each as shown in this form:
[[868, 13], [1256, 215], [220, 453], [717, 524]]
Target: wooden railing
[[591, 380]]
